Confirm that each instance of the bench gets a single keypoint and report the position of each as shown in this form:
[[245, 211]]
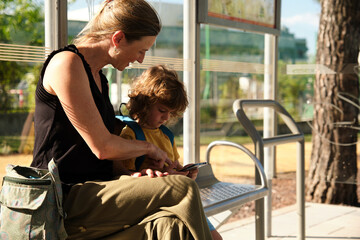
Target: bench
[[219, 197], [230, 196], [295, 135]]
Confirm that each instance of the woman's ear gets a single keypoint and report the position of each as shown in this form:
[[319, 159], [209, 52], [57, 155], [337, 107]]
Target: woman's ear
[[117, 37]]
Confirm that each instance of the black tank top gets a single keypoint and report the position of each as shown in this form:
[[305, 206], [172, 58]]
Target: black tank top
[[55, 136]]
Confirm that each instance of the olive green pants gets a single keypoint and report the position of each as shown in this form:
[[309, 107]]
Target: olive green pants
[[136, 208]]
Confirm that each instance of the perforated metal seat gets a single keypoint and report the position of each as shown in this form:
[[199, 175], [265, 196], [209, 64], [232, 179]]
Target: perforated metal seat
[[217, 196]]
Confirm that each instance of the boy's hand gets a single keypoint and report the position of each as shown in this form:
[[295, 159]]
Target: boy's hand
[[174, 168], [193, 173], [149, 172]]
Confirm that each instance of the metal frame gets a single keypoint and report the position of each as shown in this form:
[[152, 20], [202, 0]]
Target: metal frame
[[56, 37], [192, 82], [56, 27], [270, 120], [260, 143], [193, 9], [203, 17], [260, 191]]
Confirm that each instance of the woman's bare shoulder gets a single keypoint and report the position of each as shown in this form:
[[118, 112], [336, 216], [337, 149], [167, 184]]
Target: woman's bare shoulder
[[62, 69], [66, 59]]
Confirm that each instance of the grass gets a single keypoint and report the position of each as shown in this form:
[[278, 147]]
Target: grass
[[9, 144]]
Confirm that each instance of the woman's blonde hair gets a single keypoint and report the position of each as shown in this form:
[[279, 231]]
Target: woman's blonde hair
[[135, 18], [157, 84]]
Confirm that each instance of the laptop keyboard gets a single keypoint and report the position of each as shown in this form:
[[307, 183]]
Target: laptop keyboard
[[222, 191]]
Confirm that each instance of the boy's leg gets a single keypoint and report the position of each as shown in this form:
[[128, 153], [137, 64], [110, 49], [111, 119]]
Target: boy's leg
[[98, 209]]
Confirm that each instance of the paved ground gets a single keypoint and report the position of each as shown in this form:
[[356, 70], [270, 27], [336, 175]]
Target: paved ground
[[322, 221]]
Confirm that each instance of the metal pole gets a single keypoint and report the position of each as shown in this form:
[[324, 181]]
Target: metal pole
[[61, 26], [191, 124], [269, 122], [300, 189], [49, 25], [259, 204]]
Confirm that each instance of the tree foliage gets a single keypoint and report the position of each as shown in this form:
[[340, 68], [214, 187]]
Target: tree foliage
[[291, 90], [22, 24]]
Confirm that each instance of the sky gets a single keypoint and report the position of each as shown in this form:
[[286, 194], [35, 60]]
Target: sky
[[300, 16]]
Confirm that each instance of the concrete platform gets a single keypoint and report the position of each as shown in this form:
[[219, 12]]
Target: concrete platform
[[323, 222]]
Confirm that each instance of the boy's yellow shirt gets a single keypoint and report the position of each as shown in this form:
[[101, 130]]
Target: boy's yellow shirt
[[154, 136]]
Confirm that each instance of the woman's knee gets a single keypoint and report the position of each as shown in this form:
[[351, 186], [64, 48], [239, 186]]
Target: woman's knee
[[180, 180], [182, 186]]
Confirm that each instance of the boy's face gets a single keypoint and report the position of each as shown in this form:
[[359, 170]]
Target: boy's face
[[158, 114]]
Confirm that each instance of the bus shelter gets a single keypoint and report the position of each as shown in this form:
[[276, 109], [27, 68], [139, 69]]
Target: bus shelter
[[197, 13]]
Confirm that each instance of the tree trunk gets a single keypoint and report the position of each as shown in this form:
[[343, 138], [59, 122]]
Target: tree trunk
[[333, 169]]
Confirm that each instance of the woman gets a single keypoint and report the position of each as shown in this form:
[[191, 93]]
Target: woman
[[75, 125]]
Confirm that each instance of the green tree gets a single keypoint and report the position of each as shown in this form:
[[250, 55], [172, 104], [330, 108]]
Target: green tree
[[228, 91], [291, 89], [21, 22]]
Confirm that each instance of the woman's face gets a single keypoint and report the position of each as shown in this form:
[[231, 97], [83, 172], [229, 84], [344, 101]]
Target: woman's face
[[129, 52]]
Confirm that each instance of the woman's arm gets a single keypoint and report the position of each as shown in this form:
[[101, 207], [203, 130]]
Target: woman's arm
[[65, 77], [176, 166], [119, 125]]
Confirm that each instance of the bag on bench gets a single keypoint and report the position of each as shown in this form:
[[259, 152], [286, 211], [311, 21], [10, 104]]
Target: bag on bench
[[31, 204]]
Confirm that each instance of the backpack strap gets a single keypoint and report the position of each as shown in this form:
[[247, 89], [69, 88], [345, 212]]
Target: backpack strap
[[139, 135]]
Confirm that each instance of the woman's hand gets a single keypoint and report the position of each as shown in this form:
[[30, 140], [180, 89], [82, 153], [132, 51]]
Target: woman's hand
[[158, 157]]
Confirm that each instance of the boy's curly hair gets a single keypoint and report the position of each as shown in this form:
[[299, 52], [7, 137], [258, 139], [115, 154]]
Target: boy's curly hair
[[157, 84]]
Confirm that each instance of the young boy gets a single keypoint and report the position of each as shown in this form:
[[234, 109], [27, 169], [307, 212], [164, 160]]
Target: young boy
[[157, 97]]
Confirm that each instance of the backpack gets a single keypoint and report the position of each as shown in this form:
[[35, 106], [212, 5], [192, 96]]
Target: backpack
[[139, 135], [31, 204]]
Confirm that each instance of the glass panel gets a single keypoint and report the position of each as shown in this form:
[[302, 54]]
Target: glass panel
[[232, 68], [167, 50], [21, 53]]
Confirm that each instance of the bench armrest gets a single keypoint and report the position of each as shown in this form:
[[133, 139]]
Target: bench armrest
[[256, 161]]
